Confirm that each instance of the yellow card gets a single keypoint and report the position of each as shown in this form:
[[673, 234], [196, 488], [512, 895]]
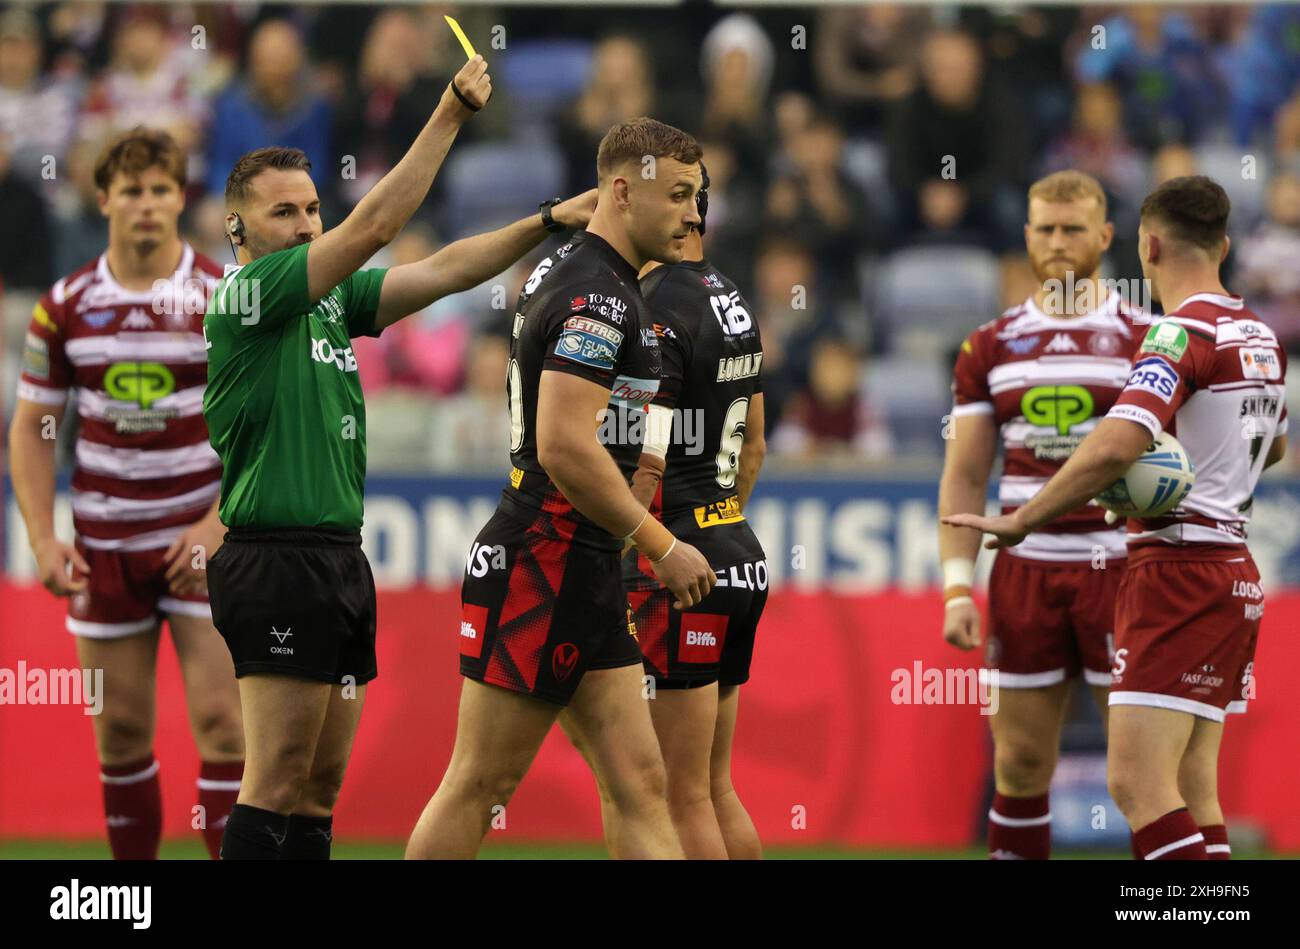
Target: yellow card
[[460, 35]]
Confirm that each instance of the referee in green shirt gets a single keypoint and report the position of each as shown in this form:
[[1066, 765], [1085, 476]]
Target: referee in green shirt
[[292, 594]]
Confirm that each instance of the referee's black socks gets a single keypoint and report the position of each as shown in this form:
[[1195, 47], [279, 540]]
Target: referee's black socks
[[309, 838], [254, 834]]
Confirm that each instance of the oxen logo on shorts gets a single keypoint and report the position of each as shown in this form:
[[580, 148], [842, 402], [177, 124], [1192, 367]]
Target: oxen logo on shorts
[[564, 660]]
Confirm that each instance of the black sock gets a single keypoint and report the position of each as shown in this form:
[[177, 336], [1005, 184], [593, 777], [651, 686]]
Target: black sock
[[309, 838], [253, 834]]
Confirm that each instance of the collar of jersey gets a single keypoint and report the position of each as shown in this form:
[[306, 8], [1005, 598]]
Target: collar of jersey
[[616, 260]]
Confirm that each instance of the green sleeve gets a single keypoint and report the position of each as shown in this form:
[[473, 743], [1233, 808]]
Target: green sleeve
[[362, 296], [266, 293]]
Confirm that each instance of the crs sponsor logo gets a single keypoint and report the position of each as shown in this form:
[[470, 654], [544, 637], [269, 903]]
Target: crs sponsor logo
[[1023, 345], [1154, 375], [702, 636], [473, 624], [1260, 363], [323, 351]]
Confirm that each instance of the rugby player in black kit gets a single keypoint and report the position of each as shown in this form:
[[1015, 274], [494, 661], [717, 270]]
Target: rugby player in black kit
[[544, 626], [712, 354]]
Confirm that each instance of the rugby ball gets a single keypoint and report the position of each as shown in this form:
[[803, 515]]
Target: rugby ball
[[1155, 484]]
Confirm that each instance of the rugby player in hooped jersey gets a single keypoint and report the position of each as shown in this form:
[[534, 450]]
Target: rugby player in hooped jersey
[[1190, 603], [544, 626], [1038, 379], [144, 488]]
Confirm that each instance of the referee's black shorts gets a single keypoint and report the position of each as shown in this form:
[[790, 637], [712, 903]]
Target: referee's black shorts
[[295, 601]]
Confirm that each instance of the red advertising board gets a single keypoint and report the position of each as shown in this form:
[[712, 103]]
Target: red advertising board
[[826, 751]]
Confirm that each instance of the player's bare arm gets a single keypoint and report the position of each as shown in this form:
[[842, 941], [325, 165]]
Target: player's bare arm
[[467, 263], [648, 476], [380, 215], [1099, 461], [574, 459], [1276, 451], [194, 546], [32, 465], [963, 487], [753, 451]]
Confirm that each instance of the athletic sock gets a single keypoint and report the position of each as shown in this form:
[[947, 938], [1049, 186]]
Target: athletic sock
[[1020, 828], [1216, 842], [1172, 837], [309, 838], [253, 834], [218, 790], [132, 808]]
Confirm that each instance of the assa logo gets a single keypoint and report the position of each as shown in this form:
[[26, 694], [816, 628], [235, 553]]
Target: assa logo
[[702, 637], [1156, 376]]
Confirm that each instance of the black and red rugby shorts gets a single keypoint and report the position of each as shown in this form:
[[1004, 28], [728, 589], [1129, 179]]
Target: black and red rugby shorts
[[540, 608]]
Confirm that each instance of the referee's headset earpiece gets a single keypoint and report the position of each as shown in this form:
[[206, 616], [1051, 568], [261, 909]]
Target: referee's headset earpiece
[[235, 233]]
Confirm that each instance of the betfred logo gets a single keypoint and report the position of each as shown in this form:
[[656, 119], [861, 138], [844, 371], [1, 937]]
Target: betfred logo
[[473, 624], [702, 636]]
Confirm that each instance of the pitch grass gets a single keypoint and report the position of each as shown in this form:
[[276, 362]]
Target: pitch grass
[[350, 850]]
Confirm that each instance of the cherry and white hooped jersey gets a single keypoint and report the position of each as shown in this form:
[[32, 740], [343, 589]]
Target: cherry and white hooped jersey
[[137, 359], [1047, 381], [1214, 376]]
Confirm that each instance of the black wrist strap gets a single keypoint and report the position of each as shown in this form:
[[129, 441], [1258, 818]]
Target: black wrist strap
[[463, 101], [549, 222]]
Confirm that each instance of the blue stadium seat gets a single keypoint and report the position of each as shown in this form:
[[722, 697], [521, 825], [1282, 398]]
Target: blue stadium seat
[[1222, 161], [928, 298], [542, 76], [493, 183], [914, 395]]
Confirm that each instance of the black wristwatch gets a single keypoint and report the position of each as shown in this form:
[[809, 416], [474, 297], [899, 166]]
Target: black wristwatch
[[549, 222]]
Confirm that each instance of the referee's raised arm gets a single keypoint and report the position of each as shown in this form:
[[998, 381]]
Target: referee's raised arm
[[383, 212]]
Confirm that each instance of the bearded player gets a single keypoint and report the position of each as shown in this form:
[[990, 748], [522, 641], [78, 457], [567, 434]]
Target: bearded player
[[1190, 604], [698, 658], [144, 488], [1038, 379]]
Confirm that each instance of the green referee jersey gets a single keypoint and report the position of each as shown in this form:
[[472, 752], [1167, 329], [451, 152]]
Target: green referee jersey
[[283, 401]]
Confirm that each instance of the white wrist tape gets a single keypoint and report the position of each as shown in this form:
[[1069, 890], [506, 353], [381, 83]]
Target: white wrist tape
[[957, 599], [670, 549], [958, 572], [658, 431]]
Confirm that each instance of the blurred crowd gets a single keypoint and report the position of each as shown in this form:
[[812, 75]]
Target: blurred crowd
[[868, 165]]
